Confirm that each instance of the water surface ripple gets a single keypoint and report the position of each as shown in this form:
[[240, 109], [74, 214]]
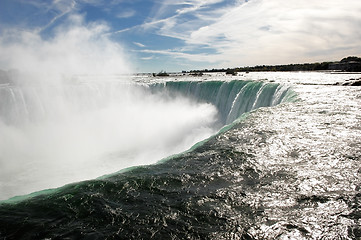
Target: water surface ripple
[[287, 172]]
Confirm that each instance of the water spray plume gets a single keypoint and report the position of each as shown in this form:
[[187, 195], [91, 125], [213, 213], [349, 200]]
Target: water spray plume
[[58, 125], [73, 48]]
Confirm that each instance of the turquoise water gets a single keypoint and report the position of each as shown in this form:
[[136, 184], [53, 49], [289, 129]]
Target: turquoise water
[[240, 183]]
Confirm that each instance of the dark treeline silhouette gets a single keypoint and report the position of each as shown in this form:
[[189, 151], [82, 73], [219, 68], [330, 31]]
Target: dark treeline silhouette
[[350, 64]]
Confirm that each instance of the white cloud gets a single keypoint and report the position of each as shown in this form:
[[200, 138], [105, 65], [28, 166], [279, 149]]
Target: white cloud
[[139, 44], [147, 58], [182, 55], [63, 6], [126, 13], [295, 32], [266, 31], [55, 9], [172, 17]]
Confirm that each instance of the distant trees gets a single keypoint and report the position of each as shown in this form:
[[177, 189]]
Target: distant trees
[[289, 67], [351, 59], [348, 64], [265, 68], [351, 63]]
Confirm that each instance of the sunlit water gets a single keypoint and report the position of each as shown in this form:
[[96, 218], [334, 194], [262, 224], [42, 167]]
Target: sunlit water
[[290, 171], [308, 156]]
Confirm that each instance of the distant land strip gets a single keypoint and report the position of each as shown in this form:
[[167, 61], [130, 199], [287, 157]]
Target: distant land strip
[[348, 64]]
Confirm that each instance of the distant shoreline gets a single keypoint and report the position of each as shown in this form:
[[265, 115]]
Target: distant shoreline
[[349, 64]]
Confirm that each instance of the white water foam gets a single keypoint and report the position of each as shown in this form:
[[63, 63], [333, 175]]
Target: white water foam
[[70, 134], [57, 129]]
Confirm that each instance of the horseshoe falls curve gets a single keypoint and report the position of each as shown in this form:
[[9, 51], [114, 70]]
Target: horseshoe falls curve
[[59, 134], [288, 171], [230, 98]]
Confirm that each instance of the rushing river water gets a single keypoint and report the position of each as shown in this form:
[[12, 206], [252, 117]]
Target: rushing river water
[[288, 171]]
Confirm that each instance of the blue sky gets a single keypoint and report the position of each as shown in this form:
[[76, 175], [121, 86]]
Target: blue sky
[[175, 35]]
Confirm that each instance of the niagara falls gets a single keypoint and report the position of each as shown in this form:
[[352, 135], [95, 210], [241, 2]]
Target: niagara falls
[[180, 119]]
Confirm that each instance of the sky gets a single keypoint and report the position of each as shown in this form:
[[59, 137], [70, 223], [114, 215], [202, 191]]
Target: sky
[[176, 35]]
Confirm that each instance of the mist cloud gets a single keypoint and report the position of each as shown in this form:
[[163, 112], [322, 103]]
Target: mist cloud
[[74, 47]]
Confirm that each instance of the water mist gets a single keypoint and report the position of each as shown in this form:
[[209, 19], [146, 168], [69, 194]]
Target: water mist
[[63, 120]]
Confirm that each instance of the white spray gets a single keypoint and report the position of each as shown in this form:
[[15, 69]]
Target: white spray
[[57, 126]]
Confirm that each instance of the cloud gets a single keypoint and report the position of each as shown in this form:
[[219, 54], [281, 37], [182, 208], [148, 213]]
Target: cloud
[[63, 7], [139, 44], [147, 58], [126, 13], [262, 31], [177, 18], [182, 55], [184, 7], [230, 33], [296, 31]]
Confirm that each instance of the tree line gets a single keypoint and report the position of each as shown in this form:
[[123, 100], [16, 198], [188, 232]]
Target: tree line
[[341, 65]]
